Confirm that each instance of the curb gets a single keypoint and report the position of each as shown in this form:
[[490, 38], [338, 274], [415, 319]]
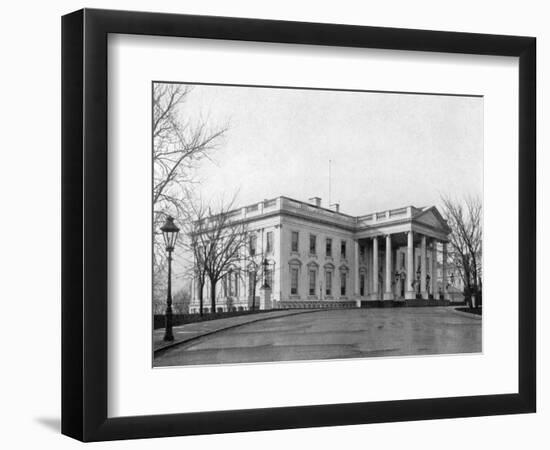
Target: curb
[[466, 314], [160, 350]]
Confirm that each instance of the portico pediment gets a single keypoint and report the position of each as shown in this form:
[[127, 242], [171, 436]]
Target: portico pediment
[[432, 218]]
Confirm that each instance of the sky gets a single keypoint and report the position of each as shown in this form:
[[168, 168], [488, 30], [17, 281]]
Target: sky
[[387, 150]]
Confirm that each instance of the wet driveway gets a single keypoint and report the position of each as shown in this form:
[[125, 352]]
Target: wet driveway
[[328, 334]]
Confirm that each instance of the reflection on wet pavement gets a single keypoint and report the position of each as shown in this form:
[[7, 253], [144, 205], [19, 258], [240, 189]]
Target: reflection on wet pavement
[[331, 334]]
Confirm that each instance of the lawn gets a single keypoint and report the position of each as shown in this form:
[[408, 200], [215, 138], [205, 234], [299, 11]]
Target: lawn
[[476, 311]]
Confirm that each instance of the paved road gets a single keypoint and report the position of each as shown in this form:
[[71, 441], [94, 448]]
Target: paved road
[[327, 334], [196, 329]]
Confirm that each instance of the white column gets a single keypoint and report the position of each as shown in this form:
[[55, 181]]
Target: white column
[[243, 294], [433, 270], [388, 295], [423, 286], [375, 266], [444, 271], [356, 272], [397, 268], [367, 268], [409, 289]]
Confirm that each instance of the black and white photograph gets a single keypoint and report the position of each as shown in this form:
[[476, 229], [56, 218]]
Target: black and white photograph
[[275, 225], [301, 224]]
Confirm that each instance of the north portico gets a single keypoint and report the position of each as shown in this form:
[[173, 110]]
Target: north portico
[[401, 249], [320, 258]]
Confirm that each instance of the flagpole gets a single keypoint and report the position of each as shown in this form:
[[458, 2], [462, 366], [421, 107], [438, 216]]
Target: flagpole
[[329, 181]]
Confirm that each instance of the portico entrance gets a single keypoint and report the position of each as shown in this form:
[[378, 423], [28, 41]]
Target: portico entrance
[[404, 259]]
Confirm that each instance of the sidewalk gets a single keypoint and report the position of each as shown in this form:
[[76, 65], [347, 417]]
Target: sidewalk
[[192, 331]]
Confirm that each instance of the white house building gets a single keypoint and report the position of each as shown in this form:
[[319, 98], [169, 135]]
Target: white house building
[[319, 257]]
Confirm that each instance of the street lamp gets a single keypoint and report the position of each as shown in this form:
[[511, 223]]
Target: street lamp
[[265, 266], [428, 284], [170, 233]]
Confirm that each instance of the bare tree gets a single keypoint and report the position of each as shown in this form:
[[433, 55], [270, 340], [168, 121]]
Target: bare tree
[[179, 144], [217, 242], [466, 220], [182, 299], [254, 267], [159, 287], [199, 251]]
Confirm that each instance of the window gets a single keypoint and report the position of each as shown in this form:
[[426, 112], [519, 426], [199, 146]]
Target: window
[[328, 249], [362, 285], [312, 244], [328, 282], [294, 281], [294, 241], [342, 283], [227, 285], [252, 244], [312, 276], [362, 252], [269, 242], [233, 284], [343, 249]]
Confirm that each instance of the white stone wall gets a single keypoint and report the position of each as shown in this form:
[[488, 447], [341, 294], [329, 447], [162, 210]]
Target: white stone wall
[[305, 228], [282, 216]]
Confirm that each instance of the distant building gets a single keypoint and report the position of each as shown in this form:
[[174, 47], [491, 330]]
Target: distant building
[[320, 257]]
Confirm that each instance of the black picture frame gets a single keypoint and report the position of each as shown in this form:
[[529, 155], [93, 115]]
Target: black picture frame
[[84, 224]]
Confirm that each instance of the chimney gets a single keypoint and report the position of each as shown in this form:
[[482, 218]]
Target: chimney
[[315, 200], [336, 207]]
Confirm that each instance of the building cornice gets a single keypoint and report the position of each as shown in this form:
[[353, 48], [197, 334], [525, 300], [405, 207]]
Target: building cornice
[[290, 208]]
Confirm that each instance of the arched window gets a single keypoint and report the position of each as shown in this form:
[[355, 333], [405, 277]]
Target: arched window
[[344, 270], [313, 271], [329, 273], [295, 267]]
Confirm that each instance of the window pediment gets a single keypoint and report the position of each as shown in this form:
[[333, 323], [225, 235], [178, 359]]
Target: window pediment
[[295, 262]]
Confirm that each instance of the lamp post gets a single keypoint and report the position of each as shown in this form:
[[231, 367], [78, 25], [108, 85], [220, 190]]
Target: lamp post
[[265, 296], [170, 233], [265, 268], [428, 285]]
